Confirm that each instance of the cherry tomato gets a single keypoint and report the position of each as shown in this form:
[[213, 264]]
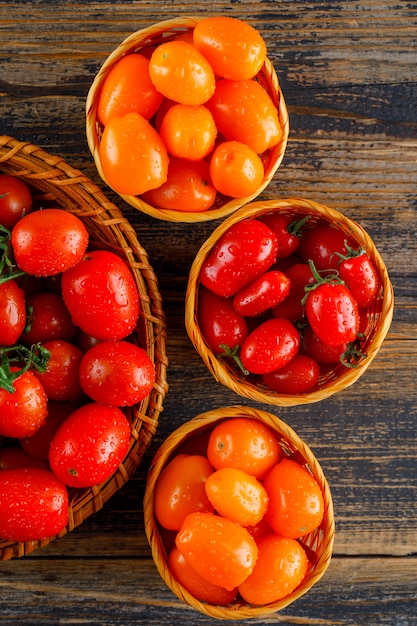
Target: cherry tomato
[[219, 322], [244, 252], [195, 584], [118, 373], [288, 230], [281, 567], [235, 169], [320, 351], [102, 296], [90, 445], [296, 505], [234, 48], [189, 132], [12, 457], [37, 445], [49, 319], [60, 379], [24, 410], [128, 88], [244, 444], [33, 504], [264, 293], [270, 346], [49, 241], [360, 275], [321, 243], [15, 200], [188, 187], [237, 495], [221, 551], [243, 111], [300, 375], [133, 156], [332, 313], [12, 312], [181, 73]]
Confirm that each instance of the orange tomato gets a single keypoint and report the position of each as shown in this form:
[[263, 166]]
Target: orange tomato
[[180, 490], [235, 169], [234, 48], [181, 73], [221, 551], [188, 187], [133, 156], [296, 505], [281, 567], [244, 111], [198, 586], [126, 88], [245, 444], [237, 496], [188, 131]]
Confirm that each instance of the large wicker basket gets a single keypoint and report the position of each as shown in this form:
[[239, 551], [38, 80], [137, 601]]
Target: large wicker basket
[[154, 35], [339, 377], [54, 181], [318, 544]]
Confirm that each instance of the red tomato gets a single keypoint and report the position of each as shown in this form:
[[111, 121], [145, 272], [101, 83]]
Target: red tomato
[[299, 275], [180, 490], [49, 319], [288, 230], [266, 292], [128, 88], [243, 111], [234, 48], [244, 444], [48, 242], [296, 505], [221, 551], [24, 410], [270, 346], [219, 323], [195, 584], [237, 495], [102, 296], [321, 243], [361, 277], [244, 252], [300, 375], [118, 373], [60, 379], [12, 457], [90, 445], [33, 504], [15, 200], [37, 445], [12, 312], [281, 567], [320, 351]]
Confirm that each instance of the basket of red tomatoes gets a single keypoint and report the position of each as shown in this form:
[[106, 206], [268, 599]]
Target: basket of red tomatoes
[[186, 119], [288, 301], [238, 514], [82, 345]]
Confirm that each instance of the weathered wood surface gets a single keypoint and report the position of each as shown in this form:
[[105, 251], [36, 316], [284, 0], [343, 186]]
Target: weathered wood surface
[[348, 72]]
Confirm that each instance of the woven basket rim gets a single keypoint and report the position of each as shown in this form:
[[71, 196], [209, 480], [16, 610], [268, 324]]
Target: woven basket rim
[[143, 38], [226, 374], [52, 178], [288, 435]]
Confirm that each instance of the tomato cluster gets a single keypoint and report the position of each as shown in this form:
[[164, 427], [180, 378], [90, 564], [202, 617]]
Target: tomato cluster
[[69, 364], [284, 296], [236, 510], [187, 119]]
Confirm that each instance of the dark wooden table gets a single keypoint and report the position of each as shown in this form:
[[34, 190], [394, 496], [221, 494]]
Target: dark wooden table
[[348, 72]]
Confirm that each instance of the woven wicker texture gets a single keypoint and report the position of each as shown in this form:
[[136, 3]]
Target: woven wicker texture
[[379, 314], [317, 544], [52, 181], [154, 35]]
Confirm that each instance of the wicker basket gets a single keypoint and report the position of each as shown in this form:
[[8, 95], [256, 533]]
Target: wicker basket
[[51, 180], [379, 314], [154, 35], [318, 544]]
